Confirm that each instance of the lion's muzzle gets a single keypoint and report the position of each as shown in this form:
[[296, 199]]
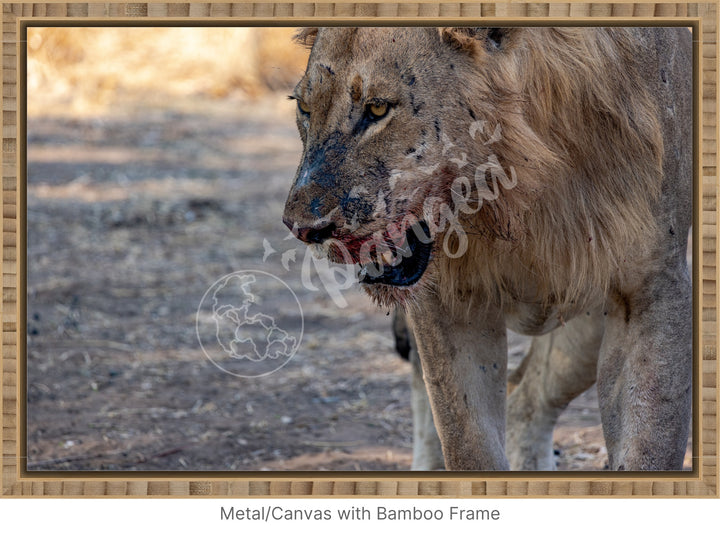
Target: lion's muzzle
[[384, 258], [316, 234]]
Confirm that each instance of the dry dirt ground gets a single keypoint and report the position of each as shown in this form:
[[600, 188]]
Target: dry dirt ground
[[131, 218]]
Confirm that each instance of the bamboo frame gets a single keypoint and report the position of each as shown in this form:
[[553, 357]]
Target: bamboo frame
[[702, 481]]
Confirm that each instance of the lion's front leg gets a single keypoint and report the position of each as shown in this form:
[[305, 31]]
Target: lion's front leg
[[645, 374], [427, 451], [464, 361]]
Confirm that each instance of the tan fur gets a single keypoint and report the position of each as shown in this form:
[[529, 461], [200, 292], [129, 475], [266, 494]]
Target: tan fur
[[595, 209], [560, 154]]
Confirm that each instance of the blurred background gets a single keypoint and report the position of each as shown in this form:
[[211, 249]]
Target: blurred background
[[159, 161], [85, 71]]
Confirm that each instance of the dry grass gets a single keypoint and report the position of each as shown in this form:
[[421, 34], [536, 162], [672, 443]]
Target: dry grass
[[83, 71]]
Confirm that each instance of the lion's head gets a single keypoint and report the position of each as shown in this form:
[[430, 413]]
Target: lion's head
[[421, 143]]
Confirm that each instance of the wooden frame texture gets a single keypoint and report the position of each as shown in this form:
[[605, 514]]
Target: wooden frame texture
[[701, 481]]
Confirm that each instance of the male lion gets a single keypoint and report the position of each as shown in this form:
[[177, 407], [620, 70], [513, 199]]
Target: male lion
[[537, 179]]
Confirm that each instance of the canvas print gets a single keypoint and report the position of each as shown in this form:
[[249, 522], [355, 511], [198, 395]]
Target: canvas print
[[361, 248]]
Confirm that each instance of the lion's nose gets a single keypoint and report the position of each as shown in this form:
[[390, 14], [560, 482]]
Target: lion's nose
[[317, 233]]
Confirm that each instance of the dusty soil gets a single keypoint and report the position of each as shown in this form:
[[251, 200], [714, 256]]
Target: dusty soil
[[131, 218]]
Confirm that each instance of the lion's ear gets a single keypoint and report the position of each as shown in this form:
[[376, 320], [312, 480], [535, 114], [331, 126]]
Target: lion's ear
[[499, 37], [460, 38], [306, 37], [468, 39]]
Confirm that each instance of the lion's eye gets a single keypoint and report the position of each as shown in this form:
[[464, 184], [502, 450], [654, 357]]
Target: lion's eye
[[304, 108], [378, 110]]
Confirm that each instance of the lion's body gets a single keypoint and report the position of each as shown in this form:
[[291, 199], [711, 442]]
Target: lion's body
[[551, 168]]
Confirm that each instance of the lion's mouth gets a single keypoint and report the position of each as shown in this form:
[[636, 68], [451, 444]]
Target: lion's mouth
[[409, 262]]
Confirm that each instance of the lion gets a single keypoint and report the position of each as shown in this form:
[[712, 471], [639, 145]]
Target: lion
[[532, 179]]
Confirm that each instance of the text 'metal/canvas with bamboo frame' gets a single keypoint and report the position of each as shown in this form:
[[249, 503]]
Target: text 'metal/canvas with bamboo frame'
[[701, 17]]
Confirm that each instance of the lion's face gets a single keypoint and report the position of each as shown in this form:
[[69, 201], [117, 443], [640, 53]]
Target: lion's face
[[374, 115]]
